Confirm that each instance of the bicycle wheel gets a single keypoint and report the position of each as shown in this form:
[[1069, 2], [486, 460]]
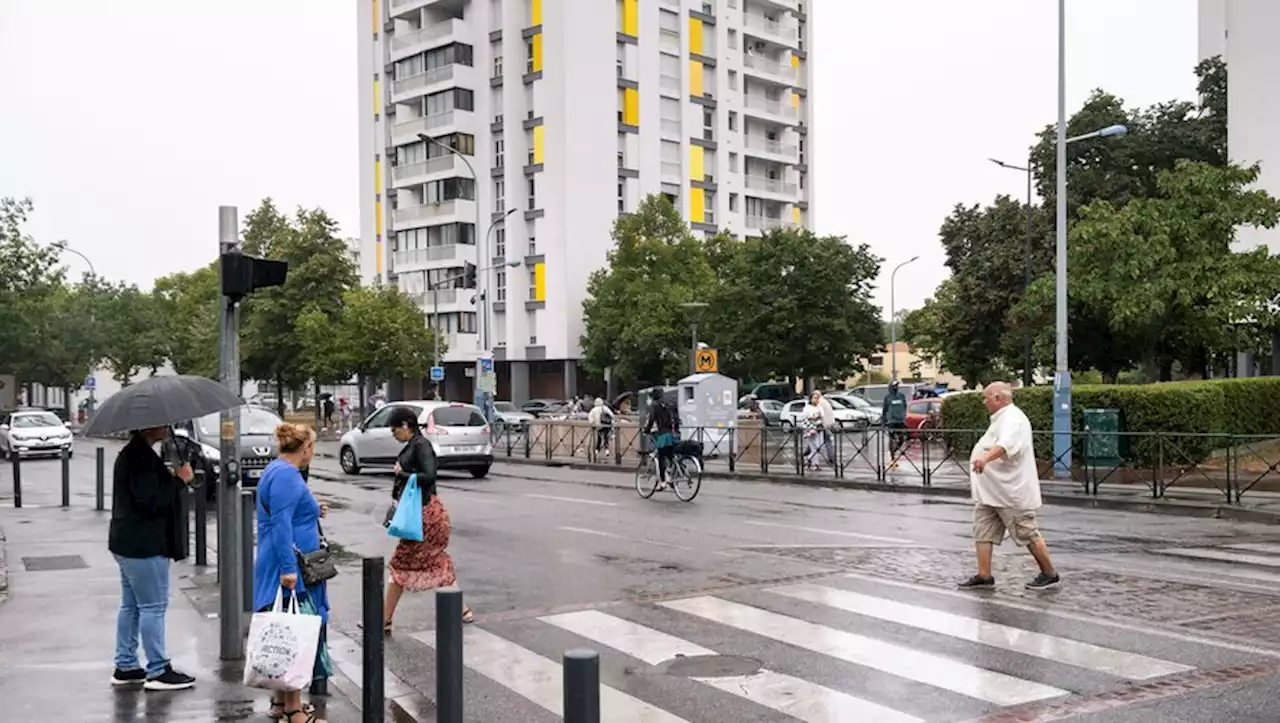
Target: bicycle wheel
[[497, 431], [647, 477], [690, 483]]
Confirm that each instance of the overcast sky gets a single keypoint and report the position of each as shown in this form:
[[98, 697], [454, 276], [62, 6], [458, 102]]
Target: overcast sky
[[129, 121]]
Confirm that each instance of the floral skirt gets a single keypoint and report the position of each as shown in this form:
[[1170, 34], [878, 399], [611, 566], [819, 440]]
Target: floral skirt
[[426, 565]]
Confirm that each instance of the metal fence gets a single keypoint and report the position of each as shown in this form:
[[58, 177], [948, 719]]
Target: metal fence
[[1231, 465]]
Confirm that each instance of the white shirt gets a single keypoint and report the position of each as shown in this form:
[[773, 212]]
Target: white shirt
[[1013, 480]]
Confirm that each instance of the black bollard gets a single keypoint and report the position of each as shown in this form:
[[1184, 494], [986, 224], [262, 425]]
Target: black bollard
[[248, 519], [100, 490], [449, 656], [373, 705], [66, 477], [17, 478], [200, 505], [581, 686]]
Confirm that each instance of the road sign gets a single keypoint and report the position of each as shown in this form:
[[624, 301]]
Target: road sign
[[486, 365], [437, 374], [707, 361], [90, 383]]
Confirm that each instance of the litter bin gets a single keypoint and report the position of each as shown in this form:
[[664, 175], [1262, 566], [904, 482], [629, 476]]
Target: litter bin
[[1102, 443]]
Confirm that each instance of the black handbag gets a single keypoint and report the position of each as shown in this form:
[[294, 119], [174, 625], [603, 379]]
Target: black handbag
[[317, 566]]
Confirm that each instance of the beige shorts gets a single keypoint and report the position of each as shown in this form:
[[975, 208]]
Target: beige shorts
[[991, 523]]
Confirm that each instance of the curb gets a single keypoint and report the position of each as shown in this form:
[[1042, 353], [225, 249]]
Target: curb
[[4, 571]]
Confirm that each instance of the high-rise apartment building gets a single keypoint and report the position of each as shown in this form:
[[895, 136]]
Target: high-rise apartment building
[[563, 115]]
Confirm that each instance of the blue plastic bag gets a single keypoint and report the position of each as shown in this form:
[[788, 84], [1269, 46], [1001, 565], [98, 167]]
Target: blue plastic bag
[[407, 522]]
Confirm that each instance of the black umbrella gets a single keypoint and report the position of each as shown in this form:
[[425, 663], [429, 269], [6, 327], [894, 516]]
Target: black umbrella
[[160, 402]]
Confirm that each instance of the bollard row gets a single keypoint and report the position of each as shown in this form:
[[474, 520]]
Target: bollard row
[[64, 458]]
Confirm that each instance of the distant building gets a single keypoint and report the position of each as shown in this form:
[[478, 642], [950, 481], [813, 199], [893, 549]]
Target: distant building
[[353, 253], [910, 366]]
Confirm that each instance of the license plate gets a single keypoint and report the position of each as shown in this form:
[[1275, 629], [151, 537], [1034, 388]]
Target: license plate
[[254, 473], [466, 450]]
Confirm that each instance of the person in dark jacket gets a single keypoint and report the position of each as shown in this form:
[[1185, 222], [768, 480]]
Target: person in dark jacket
[[146, 510], [418, 566], [664, 424]]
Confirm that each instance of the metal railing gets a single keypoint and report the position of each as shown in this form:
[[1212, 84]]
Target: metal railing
[[773, 107], [756, 143], [772, 27], [770, 185], [1149, 464]]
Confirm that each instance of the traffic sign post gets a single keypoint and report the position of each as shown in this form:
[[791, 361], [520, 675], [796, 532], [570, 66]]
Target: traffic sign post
[[90, 383], [706, 361], [437, 374]]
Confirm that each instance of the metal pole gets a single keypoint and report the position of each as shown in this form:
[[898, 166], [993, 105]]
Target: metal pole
[[66, 477], [893, 328], [435, 321], [248, 516], [693, 349], [449, 655], [373, 707], [230, 616], [17, 479], [200, 505], [1027, 379], [1062, 376], [581, 686], [100, 486]]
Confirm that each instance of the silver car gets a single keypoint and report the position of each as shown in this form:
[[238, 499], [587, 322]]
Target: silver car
[[458, 433], [34, 432]]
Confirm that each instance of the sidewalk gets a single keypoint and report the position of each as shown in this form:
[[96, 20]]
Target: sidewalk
[[57, 631]]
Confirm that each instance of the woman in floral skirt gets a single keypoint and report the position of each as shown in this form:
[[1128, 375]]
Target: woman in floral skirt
[[418, 566]]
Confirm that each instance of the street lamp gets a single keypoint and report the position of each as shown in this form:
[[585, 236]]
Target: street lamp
[[434, 288], [475, 187], [92, 402], [484, 297], [1116, 130], [893, 321], [693, 343], [62, 246]]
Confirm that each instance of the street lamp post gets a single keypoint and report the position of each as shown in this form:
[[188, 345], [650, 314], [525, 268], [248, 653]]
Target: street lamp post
[[893, 321], [434, 288], [475, 185], [92, 402], [693, 342], [484, 298]]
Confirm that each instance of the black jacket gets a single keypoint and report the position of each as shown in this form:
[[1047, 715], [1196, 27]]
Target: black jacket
[[146, 505], [418, 457], [662, 419]]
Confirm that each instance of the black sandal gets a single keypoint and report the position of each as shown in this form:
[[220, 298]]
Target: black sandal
[[306, 708], [310, 716]]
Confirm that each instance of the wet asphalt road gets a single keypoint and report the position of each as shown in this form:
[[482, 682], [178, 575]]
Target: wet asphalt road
[[827, 604]]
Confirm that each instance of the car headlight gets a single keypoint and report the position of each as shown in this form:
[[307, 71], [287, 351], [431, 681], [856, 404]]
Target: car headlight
[[211, 453]]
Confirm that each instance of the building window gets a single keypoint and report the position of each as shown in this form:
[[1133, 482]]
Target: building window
[[449, 189], [528, 54], [709, 214], [499, 156], [533, 194], [733, 39], [733, 162], [733, 80], [500, 281], [533, 287], [533, 246], [733, 120], [497, 66], [500, 244], [499, 195], [622, 196], [463, 143], [733, 203], [708, 124]]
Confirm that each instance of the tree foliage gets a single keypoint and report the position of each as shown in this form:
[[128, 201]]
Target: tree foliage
[[189, 304], [380, 333], [28, 273], [134, 337]]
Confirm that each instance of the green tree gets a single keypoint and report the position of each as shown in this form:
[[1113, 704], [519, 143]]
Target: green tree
[[29, 274], [793, 304], [189, 304], [381, 334], [70, 340], [133, 335], [632, 315]]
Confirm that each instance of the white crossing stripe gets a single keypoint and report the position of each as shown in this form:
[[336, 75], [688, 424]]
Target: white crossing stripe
[[1220, 556], [790, 696], [823, 531], [1270, 548], [541, 680], [578, 500], [891, 658], [1040, 645]]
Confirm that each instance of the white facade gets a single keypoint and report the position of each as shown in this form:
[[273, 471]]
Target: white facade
[[1244, 33], [569, 112]]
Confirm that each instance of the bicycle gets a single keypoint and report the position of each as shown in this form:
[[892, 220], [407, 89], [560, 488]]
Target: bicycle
[[684, 474]]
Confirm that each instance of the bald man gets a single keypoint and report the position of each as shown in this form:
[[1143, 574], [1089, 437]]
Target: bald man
[[1006, 490]]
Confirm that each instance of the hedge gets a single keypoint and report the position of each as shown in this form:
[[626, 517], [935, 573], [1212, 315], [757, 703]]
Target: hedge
[[1213, 407]]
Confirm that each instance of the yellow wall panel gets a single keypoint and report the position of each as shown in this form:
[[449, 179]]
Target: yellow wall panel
[[377, 19], [695, 36], [377, 217], [697, 157], [795, 100], [537, 144], [537, 52], [540, 281], [795, 215], [631, 107], [377, 97], [795, 62], [630, 18], [535, 12], [697, 205], [695, 78], [377, 257], [377, 176]]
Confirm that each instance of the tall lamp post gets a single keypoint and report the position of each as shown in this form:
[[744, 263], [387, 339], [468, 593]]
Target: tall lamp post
[[893, 320], [693, 342], [434, 288], [484, 298], [63, 247]]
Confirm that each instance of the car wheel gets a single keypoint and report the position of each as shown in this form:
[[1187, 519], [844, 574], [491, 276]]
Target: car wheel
[[347, 458], [480, 472]]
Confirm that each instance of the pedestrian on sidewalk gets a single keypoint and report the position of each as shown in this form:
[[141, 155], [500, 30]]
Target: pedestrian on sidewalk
[[146, 512], [601, 420], [1006, 490], [418, 566], [289, 525]]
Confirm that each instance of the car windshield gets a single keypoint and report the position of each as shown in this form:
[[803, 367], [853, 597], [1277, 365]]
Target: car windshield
[[841, 402], [253, 420], [458, 417], [856, 402], [36, 420], [504, 407]]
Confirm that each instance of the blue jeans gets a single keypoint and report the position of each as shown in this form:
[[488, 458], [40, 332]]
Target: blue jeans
[[144, 598]]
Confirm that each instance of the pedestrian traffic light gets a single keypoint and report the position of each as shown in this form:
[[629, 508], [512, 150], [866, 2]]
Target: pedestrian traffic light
[[242, 275], [468, 275]]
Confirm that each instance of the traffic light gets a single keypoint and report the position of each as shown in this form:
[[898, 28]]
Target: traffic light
[[468, 275], [242, 275]]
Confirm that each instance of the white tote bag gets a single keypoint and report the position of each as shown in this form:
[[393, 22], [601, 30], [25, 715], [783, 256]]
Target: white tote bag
[[281, 650]]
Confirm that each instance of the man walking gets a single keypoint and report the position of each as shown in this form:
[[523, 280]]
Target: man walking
[[1006, 490], [893, 415]]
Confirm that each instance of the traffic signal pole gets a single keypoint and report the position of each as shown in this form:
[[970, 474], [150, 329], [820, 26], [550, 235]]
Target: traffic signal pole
[[230, 573]]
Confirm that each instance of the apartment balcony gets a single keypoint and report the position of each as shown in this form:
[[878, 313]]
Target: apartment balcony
[[774, 111], [434, 125], [402, 8], [792, 5], [776, 151], [446, 298], [769, 69], [771, 186], [436, 35], [768, 223], [431, 214], [430, 257], [670, 84], [446, 76], [760, 27], [444, 166]]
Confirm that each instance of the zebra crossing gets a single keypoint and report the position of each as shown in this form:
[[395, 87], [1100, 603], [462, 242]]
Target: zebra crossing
[[836, 650]]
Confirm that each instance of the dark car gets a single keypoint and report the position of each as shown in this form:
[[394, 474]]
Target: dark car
[[257, 443], [543, 407]]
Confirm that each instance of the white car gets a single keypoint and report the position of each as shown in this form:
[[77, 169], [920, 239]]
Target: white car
[[792, 415], [458, 433], [32, 433], [865, 408]]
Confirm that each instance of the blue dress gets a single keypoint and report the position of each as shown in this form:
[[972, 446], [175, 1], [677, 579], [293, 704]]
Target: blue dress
[[288, 516]]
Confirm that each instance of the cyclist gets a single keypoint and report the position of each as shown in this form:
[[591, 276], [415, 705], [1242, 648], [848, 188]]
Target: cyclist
[[664, 423], [893, 414]]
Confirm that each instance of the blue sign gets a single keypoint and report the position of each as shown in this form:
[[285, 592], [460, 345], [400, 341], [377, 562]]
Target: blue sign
[[90, 382], [437, 374], [486, 365]]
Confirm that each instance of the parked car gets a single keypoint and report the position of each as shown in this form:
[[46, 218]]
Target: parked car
[[458, 433], [769, 411], [510, 416], [875, 393], [543, 407], [924, 413], [780, 391], [846, 417], [34, 433], [867, 409], [257, 443]]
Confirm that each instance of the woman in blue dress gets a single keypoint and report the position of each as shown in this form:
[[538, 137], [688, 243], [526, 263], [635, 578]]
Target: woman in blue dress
[[289, 523]]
